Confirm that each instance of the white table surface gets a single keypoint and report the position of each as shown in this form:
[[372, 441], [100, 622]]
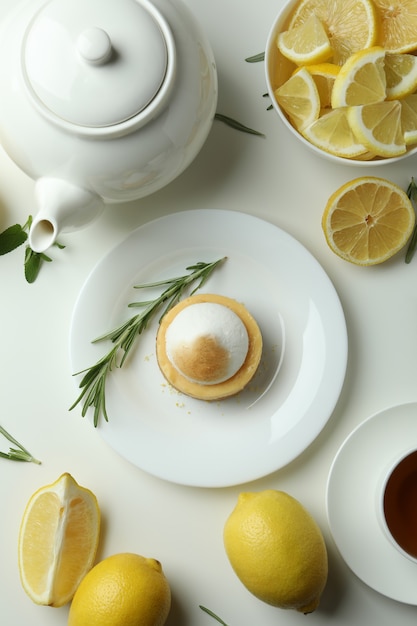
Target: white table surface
[[277, 180]]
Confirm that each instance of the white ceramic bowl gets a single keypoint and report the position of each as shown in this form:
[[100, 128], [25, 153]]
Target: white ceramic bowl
[[278, 70]]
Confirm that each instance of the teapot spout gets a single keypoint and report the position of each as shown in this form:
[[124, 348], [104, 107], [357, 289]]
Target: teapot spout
[[63, 207]]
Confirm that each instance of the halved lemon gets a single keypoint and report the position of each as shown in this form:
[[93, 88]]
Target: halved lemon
[[368, 220], [350, 24], [409, 119], [324, 75], [401, 75], [307, 43], [361, 79], [58, 540], [299, 99], [398, 24], [378, 127], [332, 133]]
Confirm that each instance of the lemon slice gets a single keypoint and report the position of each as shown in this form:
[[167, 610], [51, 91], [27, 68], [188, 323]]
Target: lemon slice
[[332, 133], [409, 119], [368, 220], [361, 79], [324, 75], [398, 24], [299, 99], [351, 25], [378, 127], [307, 43], [401, 75], [58, 541]]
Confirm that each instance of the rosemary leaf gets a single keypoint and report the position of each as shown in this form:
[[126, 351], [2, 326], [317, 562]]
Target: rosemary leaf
[[123, 338], [216, 617], [256, 58], [237, 125], [16, 454]]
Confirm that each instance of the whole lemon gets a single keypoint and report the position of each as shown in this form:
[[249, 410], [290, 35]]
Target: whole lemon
[[277, 550], [122, 590]]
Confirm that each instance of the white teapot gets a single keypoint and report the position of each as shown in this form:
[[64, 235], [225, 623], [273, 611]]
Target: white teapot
[[102, 101]]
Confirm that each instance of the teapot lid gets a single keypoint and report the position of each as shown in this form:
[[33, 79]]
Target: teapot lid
[[98, 64]]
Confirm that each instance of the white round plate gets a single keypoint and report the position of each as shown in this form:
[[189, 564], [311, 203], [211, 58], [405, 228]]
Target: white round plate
[[298, 382], [352, 500]]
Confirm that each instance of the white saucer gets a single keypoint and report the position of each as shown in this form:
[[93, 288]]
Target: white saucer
[[217, 444], [352, 499]]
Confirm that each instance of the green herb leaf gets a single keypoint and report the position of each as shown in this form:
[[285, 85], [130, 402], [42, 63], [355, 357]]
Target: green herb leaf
[[412, 194], [15, 236], [16, 454], [93, 383], [256, 58], [237, 125], [216, 617], [12, 238], [33, 261]]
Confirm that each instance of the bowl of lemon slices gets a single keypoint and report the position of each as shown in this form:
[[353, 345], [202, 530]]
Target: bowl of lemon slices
[[342, 76]]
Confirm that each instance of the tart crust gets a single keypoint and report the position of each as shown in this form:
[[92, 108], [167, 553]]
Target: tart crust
[[232, 385]]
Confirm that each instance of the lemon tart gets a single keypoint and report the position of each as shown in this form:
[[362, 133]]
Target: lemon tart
[[208, 346]]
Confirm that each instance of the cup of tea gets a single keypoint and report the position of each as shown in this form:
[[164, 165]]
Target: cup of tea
[[398, 504]]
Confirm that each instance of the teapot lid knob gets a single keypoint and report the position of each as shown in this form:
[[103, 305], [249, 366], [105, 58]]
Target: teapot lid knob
[[102, 66], [94, 45]]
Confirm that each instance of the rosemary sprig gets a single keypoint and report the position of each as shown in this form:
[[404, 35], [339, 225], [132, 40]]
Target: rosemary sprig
[[16, 454], [216, 617], [237, 125], [256, 58], [93, 383], [412, 194]]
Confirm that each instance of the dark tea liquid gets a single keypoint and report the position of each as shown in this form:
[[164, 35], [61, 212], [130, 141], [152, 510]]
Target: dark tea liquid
[[400, 504]]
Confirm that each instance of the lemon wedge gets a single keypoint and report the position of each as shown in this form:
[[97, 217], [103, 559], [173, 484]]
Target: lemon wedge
[[378, 127], [332, 133], [305, 44], [58, 540], [401, 75], [409, 119], [299, 99], [361, 79], [324, 75]]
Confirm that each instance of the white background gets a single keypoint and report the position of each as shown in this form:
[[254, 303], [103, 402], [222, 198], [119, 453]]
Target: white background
[[275, 179]]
